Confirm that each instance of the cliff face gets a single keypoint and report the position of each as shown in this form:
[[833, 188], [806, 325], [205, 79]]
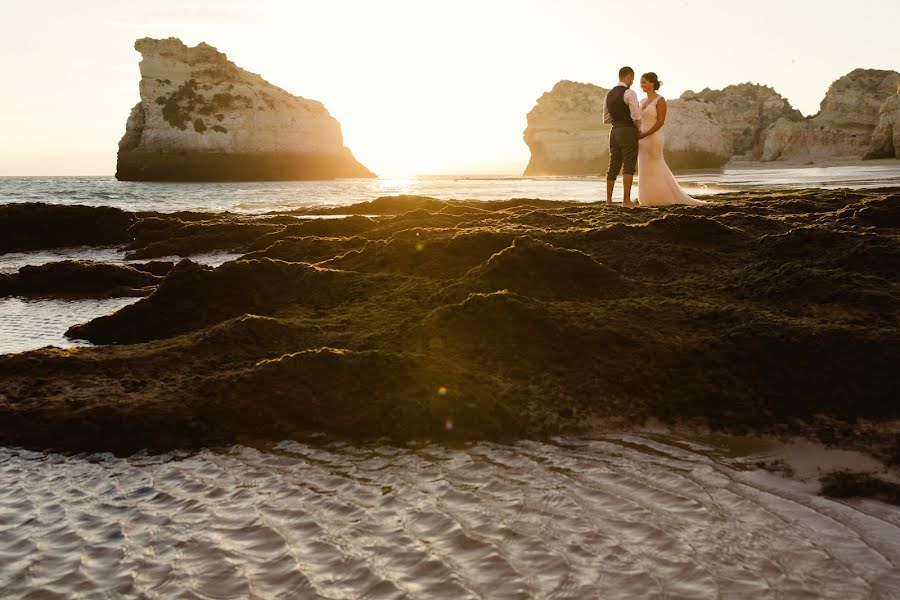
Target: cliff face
[[566, 133], [744, 112], [203, 118], [567, 136], [693, 137], [845, 124], [859, 117], [885, 141]]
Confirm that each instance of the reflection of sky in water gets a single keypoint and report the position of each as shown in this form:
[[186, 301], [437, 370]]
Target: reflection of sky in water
[[258, 197], [26, 324]]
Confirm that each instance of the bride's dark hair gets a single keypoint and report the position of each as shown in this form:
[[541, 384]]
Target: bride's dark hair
[[652, 78]]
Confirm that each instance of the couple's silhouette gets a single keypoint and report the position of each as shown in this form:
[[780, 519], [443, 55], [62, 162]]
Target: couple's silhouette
[[636, 143]]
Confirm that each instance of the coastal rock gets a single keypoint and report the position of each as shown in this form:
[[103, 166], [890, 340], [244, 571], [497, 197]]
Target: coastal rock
[[566, 133], [843, 128], [858, 117], [34, 226], [744, 112], [79, 278], [474, 320], [202, 118], [885, 142], [567, 136], [693, 137]]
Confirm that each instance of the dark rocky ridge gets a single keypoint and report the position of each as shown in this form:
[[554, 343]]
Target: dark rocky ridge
[[484, 320]]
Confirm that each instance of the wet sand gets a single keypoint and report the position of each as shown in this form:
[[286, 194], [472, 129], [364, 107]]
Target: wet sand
[[416, 318], [615, 516]]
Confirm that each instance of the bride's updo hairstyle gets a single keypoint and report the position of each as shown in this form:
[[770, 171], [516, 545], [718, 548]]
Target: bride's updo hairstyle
[[652, 78]]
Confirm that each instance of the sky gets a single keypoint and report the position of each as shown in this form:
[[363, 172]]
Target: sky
[[419, 86]]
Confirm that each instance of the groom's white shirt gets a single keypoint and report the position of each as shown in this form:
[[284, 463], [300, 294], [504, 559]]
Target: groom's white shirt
[[631, 100]]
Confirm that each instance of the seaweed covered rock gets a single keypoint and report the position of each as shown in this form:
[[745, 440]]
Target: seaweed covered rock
[[764, 311], [534, 268], [193, 296], [79, 278], [35, 226]]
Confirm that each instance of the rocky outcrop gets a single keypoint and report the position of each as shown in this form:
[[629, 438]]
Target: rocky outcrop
[[844, 126], [487, 320], [81, 278], [32, 226], [202, 118], [744, 112], [885, 141], [693, 137], [566, 134]]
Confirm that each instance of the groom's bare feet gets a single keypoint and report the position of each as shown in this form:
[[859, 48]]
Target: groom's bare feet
[[628, 204]]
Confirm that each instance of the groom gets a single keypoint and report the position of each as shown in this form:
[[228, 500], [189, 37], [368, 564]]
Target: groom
[[623, 110]]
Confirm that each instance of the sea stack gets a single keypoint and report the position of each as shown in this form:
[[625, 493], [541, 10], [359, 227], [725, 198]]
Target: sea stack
[[202, 118]]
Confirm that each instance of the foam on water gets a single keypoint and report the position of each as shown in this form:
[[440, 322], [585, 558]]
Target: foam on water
[[619, 516]]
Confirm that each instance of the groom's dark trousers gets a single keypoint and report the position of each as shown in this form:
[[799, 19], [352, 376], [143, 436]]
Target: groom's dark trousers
[[623, 151]]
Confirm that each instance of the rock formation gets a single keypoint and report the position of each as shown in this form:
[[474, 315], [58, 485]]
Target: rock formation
[[693, 137], [202, 118], [566, 133], [567, 136], [858, 117], [845, 124], [419, 318], [744, 112], [885, 141]]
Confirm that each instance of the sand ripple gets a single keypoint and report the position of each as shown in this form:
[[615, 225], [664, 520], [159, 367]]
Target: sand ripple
[[621, 516]]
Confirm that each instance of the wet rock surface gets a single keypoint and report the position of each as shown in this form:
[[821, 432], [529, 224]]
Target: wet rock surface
[[421, 318], [81, 278]]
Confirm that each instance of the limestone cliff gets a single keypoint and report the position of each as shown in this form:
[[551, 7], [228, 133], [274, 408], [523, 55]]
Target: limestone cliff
[[693, 137], [744, 112], [844, 126], [566, 133], [202, 118], [859, 117], [567, 136], [885, 141]]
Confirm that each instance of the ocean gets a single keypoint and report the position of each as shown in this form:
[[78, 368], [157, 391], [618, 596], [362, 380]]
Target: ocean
[[261, 197]]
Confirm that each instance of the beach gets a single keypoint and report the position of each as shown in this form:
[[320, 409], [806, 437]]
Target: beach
[[492, 393]]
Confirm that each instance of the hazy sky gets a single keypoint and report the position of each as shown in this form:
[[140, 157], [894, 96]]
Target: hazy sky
[[419, 86]]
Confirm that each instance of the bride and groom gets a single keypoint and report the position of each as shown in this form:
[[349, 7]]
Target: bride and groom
[[636, 140]]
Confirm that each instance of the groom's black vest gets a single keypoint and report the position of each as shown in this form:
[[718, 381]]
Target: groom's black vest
[[617, 108]]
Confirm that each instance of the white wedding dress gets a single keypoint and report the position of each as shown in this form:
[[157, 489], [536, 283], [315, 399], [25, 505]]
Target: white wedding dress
[[656, 184]]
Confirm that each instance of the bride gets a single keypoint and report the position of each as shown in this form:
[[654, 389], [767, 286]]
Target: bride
[[656, 184]]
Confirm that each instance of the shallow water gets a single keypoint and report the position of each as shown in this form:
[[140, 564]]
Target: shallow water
[[618, 516], [29, 323], [257, 197]]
